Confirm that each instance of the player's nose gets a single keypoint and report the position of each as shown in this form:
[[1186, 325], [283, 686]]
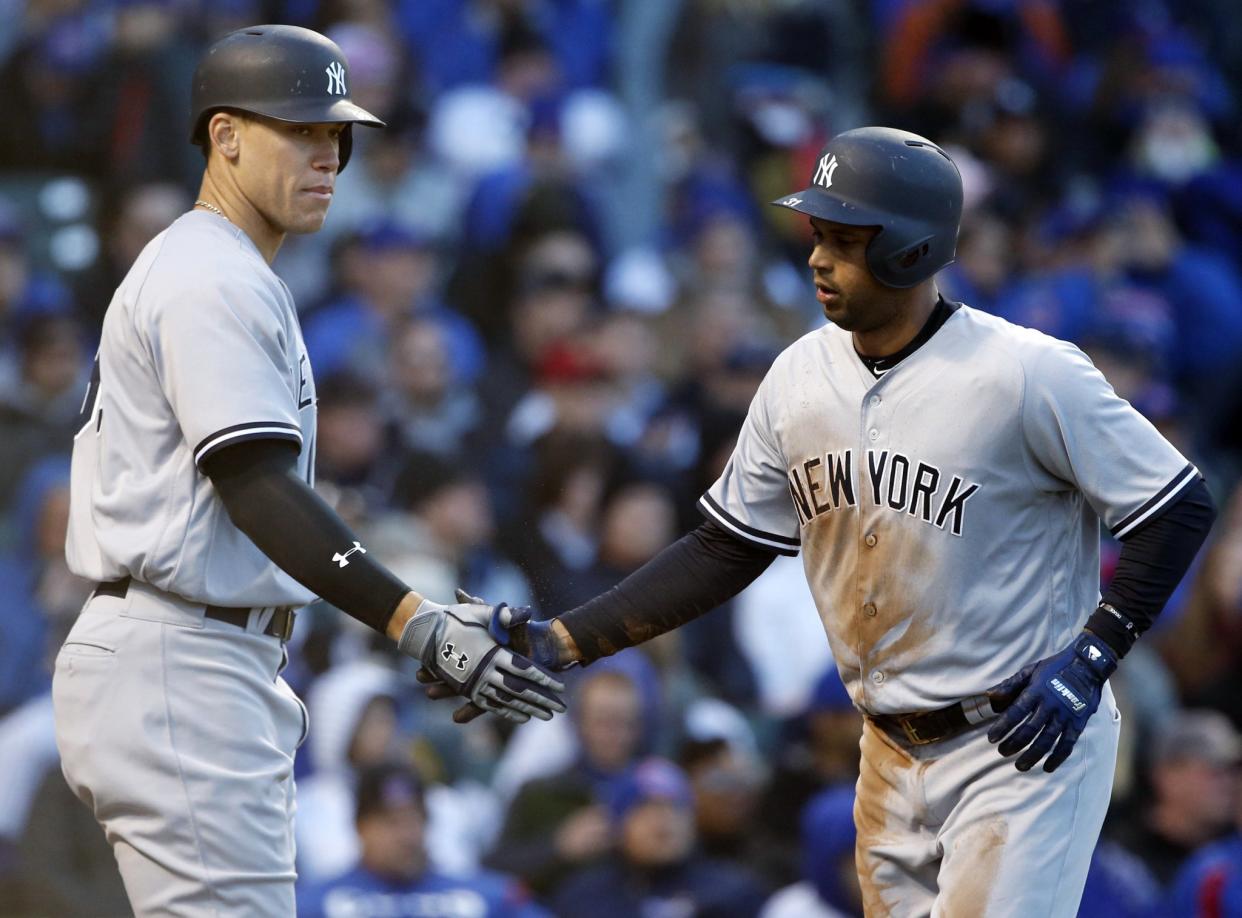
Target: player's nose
[[819, 259]]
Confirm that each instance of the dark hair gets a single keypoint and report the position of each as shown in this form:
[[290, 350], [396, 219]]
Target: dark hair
[[346, 389], [387, 785], [559, 455], [36, 332], [423, 476]]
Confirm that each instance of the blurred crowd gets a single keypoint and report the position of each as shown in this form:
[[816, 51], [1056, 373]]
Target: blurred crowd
[[542, 301]]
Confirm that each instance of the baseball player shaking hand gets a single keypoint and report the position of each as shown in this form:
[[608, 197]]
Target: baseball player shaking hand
[[192, 508], [944, 474]]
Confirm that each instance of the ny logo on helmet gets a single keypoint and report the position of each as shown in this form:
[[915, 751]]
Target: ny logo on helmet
[[336, 78], [827, 165]]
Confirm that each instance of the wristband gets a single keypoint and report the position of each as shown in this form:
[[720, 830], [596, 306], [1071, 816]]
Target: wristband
[[1113, 628]]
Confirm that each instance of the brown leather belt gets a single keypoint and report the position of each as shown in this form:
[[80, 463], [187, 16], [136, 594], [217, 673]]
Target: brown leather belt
[[281, 625], [925, 727]]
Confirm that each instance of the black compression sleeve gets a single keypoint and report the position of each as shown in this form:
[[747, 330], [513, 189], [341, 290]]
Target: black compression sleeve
[[1153, 561], [291, 524], [692, 576]]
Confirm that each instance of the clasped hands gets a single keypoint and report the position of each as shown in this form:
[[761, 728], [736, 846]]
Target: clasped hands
[[492, 655]]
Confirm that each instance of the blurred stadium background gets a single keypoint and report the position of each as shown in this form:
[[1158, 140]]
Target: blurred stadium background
[[539, 308]]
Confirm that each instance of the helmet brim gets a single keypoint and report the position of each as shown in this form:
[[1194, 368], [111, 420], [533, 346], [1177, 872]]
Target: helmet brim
[[342, 111], [815, 203]]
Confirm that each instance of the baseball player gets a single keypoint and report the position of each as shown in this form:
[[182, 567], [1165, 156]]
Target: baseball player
[[192, 508], [944, 474]]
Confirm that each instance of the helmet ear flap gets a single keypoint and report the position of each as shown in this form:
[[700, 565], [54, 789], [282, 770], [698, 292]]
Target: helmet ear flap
[[901, 267], [910, 257], [345, 147]]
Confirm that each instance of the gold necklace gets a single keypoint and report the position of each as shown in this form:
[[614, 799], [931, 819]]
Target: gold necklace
[[210, 207]]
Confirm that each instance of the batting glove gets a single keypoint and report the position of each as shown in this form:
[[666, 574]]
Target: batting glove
[[1047, 704], [510, 627], [459, 646]]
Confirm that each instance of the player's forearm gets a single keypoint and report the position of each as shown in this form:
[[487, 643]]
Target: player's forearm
[[689, 578], [291, 524], [1152, 563]]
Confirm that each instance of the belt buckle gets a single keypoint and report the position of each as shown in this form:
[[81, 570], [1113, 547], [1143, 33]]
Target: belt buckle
[[287, 631], [912, 732]]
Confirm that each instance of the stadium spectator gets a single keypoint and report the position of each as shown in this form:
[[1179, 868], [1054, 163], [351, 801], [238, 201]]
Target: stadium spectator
[[720, 759], [1194, 768], [828, 887], [392, 877], [815, 750], [1209, 885], [388, 274], [443, 515], [560, 822], [658, 867], [354, 709], [126, 224]]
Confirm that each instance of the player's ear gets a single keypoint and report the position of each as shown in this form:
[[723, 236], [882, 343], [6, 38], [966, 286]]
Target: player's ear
[[224, 134]]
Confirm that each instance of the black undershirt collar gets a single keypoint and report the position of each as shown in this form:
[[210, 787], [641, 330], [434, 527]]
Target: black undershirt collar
[[881, 365]]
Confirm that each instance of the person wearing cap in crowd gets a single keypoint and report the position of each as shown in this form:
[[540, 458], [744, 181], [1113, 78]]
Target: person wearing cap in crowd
[[1194, 766], [658, 870], [817, 749], [429, 407], [1210, 883], [721, 759], [388, 273], [558, 823], [393, 877], [354, 708], [38, 409], [442, 516], [829, 885], [354, 452]]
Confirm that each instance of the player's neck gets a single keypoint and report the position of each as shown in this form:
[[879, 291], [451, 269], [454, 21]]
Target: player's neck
[[233, 206], [906, 323]]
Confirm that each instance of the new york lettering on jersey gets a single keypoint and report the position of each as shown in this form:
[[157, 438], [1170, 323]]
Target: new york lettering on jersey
[[825, 483]]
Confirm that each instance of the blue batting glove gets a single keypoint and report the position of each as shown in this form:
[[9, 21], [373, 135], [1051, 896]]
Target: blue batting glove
[[535, 639], [1046, 705]]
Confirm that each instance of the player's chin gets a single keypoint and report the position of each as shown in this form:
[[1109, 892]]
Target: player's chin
[[308, 220], [840, 316]]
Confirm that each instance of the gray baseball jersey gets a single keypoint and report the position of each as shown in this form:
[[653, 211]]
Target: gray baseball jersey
[[201, 349], [949, 512]]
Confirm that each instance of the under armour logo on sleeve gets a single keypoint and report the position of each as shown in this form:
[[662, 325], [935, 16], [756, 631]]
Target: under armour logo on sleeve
[[342, 560], [336, 78]]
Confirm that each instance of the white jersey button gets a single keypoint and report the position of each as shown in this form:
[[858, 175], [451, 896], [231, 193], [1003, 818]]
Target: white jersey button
[[873, 434], [871, 540], [869, 610], [875, 400], [877, 677]]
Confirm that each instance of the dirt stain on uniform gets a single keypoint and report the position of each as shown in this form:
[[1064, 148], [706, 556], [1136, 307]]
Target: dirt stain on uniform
[[977, 854], [883, 774]]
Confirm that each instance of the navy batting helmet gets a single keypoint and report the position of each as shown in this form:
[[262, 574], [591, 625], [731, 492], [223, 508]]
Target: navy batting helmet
[[278, 71], [898, 181]]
